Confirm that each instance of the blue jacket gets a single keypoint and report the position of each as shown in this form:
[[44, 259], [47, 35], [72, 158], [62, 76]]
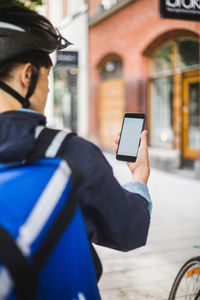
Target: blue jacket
[[114, 217]]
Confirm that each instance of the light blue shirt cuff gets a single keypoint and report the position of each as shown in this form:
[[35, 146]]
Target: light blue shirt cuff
[[28, 110], [141, 189]]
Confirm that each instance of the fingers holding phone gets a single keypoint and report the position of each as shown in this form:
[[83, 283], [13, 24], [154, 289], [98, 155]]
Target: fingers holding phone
[[132, 146], [116, 142], [140, 169]]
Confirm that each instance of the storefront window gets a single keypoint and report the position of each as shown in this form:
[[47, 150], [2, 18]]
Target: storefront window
[[65, 81], [162, 60], [194, 116], [62, 99], [161, 108], [172, 66], [188, 54]]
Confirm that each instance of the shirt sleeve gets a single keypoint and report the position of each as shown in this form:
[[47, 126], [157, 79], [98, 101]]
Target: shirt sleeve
[[114, 217], [141, 189]]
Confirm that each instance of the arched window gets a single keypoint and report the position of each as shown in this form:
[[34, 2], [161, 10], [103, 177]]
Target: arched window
[[162, 60], [170, 66], [188, 54], [161, 97]]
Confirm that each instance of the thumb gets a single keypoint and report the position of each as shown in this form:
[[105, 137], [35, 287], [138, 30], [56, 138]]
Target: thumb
[[143, 149], [143, 141]]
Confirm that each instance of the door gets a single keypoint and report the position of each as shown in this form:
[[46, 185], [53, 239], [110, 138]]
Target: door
[[110, 111], [191, 117]]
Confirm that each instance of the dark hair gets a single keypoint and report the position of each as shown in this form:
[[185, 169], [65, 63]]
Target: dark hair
[[37, 59]]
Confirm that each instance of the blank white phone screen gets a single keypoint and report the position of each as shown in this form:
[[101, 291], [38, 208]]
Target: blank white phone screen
[[130, 137]]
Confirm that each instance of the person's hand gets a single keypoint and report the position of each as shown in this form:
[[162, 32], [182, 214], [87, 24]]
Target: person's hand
[[140, 169]]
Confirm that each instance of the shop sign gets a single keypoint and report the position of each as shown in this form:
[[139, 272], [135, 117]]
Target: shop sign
[[69, 58], [180, 9]]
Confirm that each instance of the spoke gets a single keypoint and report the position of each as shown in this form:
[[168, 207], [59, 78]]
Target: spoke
[[188, 282]]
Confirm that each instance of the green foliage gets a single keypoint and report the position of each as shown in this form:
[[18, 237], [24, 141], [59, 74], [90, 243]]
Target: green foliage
[[31, 4]]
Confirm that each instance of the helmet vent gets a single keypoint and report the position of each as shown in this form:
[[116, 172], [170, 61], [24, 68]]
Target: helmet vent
[[10, 26]]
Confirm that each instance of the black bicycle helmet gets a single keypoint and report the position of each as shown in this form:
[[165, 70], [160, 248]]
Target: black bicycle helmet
[[23, 31]]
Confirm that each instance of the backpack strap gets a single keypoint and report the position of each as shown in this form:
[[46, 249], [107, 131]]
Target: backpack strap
[[50, 143], [57, 228], [53, 143], [23, 275]]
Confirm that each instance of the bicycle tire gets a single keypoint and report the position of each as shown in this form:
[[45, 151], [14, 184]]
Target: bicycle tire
[[187, 282], [197, 296]]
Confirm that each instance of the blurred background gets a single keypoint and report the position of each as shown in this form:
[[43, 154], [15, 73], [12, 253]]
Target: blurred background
[[126, 57], [137, 56]]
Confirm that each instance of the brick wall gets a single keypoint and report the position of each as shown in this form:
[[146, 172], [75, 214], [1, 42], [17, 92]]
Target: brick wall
[[130, 33]]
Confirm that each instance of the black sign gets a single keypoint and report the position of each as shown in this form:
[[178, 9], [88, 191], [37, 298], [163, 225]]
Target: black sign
[[180, 9], [69, 58]]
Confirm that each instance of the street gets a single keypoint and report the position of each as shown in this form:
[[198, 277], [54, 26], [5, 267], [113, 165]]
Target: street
[[148, 272]]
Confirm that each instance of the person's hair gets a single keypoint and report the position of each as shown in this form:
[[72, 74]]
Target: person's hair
[[37, 59]]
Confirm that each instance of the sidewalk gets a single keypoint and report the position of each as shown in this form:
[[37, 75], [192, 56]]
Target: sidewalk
[[147, 273]]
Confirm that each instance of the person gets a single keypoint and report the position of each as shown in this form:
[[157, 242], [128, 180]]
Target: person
[[116, 216]]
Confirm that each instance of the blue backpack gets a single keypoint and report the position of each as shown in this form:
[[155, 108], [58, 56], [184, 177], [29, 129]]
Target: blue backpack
[[44, 249]]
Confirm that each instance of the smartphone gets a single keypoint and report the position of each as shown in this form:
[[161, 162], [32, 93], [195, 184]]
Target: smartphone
[[129, 141]]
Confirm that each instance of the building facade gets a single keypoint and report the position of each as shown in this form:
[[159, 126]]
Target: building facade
[[68, 99], [140, 62]]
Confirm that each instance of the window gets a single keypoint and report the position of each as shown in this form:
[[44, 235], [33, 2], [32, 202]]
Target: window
[[65, 94], [180, 56], [161, 111], [194, 116], [162, 60], [188, 54]]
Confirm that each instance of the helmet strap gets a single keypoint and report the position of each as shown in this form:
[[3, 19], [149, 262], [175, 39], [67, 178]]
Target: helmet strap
[[24, 101]]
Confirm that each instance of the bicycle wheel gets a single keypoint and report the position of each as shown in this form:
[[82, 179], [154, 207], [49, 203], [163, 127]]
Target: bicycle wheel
[[186, 285], [197, 296]]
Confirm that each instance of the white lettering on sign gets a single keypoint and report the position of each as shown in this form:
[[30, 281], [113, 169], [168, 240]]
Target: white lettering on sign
[[187, 4]]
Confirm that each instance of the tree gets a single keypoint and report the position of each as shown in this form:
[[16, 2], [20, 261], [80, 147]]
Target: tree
[[32, 4]]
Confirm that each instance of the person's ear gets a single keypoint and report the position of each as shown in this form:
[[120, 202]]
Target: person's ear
[[26, 73]]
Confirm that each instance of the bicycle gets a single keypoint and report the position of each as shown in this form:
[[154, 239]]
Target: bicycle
[[186, 285]]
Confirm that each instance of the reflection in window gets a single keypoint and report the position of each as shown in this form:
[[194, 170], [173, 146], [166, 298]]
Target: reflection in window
[[161, 108], [62, 99], [65, 81], [112, 70], [188, 53], [174, 57], [194, 116], [162, 61]]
